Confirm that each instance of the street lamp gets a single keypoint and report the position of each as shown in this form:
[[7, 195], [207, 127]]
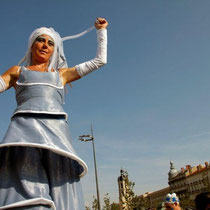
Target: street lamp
[[86, 138]]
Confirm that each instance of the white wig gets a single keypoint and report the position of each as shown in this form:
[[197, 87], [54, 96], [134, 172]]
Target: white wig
[[172, 198], [58, 59]]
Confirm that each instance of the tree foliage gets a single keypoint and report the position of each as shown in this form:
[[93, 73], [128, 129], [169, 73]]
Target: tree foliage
[[129, 194], [107, 205], [95, 203], [130, 199], [115, 206]]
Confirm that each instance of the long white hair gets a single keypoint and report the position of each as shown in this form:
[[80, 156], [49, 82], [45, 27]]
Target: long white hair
[[58, 59]]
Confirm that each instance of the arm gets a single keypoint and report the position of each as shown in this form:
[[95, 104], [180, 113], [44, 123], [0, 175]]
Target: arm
[[9, 78], [75, 73]]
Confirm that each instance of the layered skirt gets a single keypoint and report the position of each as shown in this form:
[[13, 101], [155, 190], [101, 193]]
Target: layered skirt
[[39, 169]]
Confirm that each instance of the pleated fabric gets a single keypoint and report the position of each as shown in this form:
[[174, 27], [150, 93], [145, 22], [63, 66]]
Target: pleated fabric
[[32, 178], [39, 168]]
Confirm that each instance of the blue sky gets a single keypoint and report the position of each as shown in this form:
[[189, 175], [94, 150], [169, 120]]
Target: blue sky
[[150, 104]]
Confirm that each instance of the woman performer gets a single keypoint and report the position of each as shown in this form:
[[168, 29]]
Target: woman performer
[[38, 167]]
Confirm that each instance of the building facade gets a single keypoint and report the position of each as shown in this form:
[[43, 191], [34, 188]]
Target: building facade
[[198, 180], [177, 181], [190, 181], [186, 183], [155, 198]]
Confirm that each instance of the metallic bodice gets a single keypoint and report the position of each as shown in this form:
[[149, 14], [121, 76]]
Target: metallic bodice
[[39, 92]]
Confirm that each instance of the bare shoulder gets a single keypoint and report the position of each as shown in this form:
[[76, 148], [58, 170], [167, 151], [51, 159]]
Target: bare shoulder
[[12, 73], [14, 70], [11, 76]]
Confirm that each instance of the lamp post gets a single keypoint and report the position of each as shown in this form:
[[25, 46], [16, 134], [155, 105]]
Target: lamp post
[[86, 138]]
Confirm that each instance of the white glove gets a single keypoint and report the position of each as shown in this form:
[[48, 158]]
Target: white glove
[[3, 86], [101, 55]]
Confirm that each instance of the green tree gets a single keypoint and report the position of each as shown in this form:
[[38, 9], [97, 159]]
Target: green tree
[[107, 205], [132, 201], [129, 193], [95, 203], [115, 206]]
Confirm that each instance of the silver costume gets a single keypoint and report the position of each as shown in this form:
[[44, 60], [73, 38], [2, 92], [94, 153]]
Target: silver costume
[[39, 169]]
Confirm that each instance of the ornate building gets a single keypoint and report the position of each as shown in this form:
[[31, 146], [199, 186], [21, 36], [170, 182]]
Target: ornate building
[[198, 180], [186, 183], [155, 198], [177, 181], [190, 181]]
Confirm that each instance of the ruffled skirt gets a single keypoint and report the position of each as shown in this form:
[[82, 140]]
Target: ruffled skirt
[[38, 167]]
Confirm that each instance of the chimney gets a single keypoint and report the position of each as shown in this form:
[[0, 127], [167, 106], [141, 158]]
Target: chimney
[[206, 164], [188, 167]]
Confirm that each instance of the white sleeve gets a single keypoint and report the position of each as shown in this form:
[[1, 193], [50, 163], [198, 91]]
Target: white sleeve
[[101, 55], [3, 86]]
